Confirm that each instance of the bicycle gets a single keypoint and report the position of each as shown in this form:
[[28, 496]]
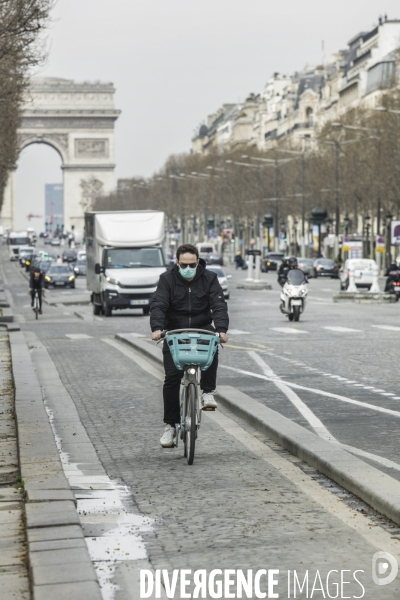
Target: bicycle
[[36, 304], [193, 351]]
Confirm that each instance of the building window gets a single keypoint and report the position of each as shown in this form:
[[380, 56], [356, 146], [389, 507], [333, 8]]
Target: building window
[[310, 117]]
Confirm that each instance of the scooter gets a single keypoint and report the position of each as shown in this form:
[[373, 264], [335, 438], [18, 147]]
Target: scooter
[[394, 284], [294, 295]]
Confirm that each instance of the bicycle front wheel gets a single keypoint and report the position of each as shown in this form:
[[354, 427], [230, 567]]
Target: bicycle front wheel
[[190, 423], [36, 307]]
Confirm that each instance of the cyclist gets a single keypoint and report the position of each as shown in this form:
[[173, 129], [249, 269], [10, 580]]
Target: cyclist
[[36, 283], [187, 296]]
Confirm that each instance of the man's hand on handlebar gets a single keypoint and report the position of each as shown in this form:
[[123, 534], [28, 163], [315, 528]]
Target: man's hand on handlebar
[[156, 335], [224, 338]]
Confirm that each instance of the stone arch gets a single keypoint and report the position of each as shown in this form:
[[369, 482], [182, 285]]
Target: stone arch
[[77, 120]]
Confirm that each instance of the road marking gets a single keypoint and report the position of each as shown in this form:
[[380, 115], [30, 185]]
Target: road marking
[[331, 503], [314, 421], [78, 336], [238, 332], [343, 329], [388, 327], [287, 330], [319, 392]]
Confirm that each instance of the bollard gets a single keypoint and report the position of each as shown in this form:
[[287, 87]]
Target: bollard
[[250, 275], [352, 285], [375, 289], [257, 273]]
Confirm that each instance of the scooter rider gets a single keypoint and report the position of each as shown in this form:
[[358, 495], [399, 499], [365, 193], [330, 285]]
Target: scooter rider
[[187, 295], [392, 273], [285, 267]]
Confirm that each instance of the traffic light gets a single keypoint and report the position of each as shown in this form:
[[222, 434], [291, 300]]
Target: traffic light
[[72, 227], [210, 222], [268, 220]]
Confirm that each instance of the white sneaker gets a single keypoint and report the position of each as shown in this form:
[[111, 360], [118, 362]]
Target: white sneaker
[[167, 438], [208, 400]]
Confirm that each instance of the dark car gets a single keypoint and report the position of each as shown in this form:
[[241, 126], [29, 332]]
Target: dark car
[[271, 261], [44, 266], [214, 258], [80, 267], [59, 276], [326, 267], [69, 256]]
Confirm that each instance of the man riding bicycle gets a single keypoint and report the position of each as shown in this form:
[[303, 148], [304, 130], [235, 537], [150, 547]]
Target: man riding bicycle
[[187, 296], [36, 283]]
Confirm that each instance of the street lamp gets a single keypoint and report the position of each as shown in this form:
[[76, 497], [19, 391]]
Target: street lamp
[[367, 227], [389, 218], [346, 221]]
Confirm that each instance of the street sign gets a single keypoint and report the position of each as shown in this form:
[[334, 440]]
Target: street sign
[[380, 244], [395, 225]]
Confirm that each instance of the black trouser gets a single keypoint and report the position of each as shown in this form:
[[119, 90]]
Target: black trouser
[[39, 291], [172, 382]]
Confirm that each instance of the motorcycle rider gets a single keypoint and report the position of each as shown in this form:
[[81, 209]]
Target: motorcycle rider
[[187, 295], [391, 273], [36, 282], [286, 265]]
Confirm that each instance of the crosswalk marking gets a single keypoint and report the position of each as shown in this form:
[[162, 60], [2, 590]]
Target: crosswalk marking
[[287, 330], [342, 329], [388, 327], [78, 336]]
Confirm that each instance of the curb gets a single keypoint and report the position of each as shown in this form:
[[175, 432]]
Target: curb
[[59, 561], [378, 490]]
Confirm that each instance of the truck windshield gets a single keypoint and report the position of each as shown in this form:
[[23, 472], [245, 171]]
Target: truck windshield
[[133, 258], [15, 241]]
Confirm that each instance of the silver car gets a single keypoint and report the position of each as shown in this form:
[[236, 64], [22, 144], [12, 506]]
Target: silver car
[[222, 278], [307, 266]]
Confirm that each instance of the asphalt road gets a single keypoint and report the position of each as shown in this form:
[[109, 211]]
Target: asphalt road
[[239, 507]]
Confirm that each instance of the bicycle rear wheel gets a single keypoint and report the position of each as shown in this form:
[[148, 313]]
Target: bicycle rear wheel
[[190, 423]]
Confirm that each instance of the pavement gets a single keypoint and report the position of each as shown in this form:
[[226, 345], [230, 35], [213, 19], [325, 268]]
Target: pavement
[[123, 504]]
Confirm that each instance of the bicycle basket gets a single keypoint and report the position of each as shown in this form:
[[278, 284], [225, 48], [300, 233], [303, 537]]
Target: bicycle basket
[[192, 348]]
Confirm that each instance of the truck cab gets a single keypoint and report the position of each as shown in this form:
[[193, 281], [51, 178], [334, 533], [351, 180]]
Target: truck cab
[[16, 239], [124, 259]]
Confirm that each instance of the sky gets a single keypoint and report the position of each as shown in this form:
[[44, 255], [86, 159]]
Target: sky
[[174, 62]]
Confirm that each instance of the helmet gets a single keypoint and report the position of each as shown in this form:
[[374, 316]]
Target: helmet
[[292, 262]]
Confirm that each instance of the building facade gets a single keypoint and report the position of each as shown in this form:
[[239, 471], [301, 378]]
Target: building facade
[[295, 107]]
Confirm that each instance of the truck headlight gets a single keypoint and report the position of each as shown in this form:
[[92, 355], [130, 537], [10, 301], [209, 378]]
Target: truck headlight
[[113, 281]]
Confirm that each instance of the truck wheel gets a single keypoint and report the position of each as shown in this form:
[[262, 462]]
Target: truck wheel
[[107, 310], [146, 310], [96, 309]]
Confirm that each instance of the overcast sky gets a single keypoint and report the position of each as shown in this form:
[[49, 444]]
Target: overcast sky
[[173, 62]]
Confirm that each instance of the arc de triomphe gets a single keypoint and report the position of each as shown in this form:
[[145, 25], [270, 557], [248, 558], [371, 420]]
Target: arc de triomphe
[[77, 120]]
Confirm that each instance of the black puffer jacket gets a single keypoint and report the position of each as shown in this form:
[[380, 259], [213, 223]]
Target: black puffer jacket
[[178, 303]]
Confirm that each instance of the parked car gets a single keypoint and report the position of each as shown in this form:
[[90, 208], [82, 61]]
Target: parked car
[[69, 256], [222, 278], [364, 271], [271, 261], [59, 276], [326, 267], [54, 242], [307, 266], [80, 267]]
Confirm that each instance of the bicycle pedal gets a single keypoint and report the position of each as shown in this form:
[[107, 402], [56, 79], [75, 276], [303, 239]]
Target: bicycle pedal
[[208, 408]]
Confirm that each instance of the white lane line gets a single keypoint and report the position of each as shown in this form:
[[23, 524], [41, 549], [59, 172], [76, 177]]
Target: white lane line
[[374, 535], [78, 336], [386, 394], [387, 327], [342, 329], [319, 392], [287, 330], [239, 332], [315, 423]]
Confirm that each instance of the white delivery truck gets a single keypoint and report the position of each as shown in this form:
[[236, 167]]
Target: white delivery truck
[[16, 239], [124, 258]]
